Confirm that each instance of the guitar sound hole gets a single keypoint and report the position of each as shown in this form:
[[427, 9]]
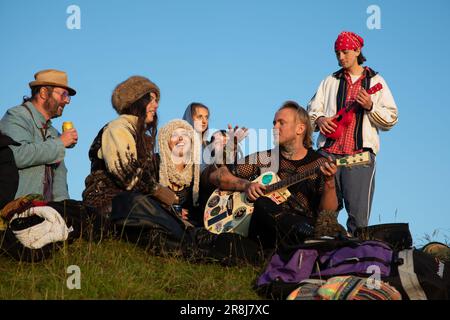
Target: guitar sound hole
[[215, 212], [214, 201], [240, 212]]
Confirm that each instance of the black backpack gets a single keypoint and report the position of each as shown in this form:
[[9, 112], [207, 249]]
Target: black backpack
[[421, 276], [397, 235]]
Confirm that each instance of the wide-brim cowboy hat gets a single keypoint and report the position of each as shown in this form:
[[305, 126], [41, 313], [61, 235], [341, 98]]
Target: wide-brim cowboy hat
[[52, 77]]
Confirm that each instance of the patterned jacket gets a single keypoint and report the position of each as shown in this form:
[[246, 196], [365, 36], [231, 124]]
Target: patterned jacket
[[115, 166]]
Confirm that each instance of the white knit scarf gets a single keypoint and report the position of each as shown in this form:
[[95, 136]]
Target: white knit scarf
[[167, 171]]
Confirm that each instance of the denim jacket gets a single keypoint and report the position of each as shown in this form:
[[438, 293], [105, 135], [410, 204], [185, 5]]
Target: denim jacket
[[34, 153]]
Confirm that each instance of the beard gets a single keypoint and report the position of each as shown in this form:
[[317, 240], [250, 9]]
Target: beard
[[283, 141], [52, 107]]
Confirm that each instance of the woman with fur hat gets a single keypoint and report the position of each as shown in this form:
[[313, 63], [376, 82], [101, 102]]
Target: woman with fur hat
[[122, 154]]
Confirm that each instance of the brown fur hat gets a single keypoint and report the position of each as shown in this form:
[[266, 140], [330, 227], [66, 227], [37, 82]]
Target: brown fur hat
[[131, 90]]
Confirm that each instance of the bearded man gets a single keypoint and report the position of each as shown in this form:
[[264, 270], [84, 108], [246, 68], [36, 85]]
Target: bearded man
[[40, 155], [288, 224]]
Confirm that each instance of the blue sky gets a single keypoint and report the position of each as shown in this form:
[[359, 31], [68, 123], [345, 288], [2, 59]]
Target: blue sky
[[243, 59]]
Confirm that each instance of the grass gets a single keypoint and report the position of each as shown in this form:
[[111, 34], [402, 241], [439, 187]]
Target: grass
[[118, 270], [115, 269]]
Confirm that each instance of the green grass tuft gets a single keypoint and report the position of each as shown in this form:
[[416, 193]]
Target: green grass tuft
[[118, 270]]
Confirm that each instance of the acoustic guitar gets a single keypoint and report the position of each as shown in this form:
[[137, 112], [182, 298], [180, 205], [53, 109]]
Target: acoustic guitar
[[228, 211]]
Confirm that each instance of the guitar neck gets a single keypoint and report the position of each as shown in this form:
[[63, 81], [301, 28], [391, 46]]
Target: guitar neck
[[353, 160], [370, 91], [296, 178]]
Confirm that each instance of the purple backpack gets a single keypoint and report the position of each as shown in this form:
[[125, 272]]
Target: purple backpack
[[298, 268], [363, 258]]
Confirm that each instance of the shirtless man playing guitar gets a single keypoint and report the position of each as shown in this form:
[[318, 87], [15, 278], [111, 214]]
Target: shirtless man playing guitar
[[293, 220]]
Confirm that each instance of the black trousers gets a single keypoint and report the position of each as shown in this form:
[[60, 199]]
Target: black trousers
[[273, 227], [143, 220]]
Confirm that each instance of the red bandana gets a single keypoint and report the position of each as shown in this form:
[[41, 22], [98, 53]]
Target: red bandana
[[348, 41]]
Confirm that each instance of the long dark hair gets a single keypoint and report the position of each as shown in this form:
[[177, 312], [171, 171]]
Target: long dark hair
[[210, 143], [145, 134], [361, 59]]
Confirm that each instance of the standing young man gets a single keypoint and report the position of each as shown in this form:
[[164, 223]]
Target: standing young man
[[372, 113]]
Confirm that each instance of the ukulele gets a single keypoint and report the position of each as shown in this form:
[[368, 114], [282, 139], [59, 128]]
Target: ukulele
[[345, 115], [228, 211]]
